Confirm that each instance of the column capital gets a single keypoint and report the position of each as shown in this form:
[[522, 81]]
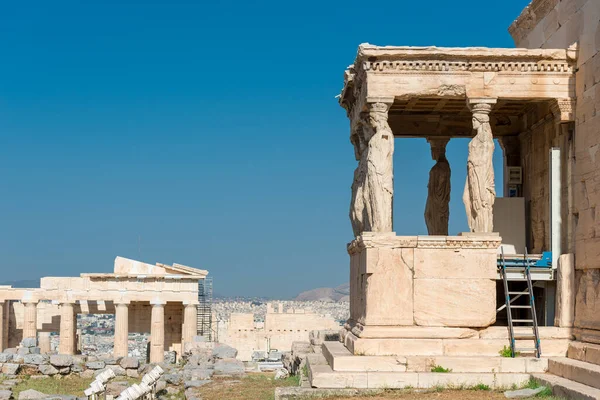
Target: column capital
[[190, 304], [121, 303], [481, 105], [378, 103], [563, 110], [157, 303]]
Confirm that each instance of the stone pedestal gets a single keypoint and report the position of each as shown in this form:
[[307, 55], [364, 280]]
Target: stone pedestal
[[420, 281], [157, 334], [121, 330], [44, 342], [190, 323], [68, 326], [30, 320]]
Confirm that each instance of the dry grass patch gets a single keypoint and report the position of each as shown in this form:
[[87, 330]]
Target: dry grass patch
[[73, 385], [254, 386]]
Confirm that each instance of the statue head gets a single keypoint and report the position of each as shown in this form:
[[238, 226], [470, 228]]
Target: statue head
[[438, 148], [479, 119]]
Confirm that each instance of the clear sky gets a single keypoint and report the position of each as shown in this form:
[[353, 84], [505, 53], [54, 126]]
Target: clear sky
[[204, 133]]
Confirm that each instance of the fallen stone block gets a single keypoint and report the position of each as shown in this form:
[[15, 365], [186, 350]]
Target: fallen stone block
[[195, 384], [87, 374], [109, 360], [61, 360], [29, 342], [222, 351], [31, 394], [229, 367], [5, 394], [129, 363], [116, 387], [172, 379], [11, 350], [23, 350], [5, 357], [190, 394], [47, 369], [10, 369], [199, 374], [64, 370], [95, 365], [523, 393], [132, 373], [281, 373], [34, 359], [117, 369]]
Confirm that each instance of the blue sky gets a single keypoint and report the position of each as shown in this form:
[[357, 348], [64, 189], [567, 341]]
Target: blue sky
[[204, 133]]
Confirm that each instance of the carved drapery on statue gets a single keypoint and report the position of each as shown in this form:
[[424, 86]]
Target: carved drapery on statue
[[437, 209], [480, 193], [373, 186]]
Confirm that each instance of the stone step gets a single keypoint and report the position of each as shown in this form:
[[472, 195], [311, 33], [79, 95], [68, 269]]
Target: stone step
[[582, 351], [575, 370], [341, 359], [323, 376], [565, 388]]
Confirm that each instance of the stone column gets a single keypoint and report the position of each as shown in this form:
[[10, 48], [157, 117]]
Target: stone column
[[373, 186], [30, 320], [68, 326], [480, 192], [190, 323], [121, 330], [157, 333], [2, 312], [44, 342], [5, 323], [437, 209]]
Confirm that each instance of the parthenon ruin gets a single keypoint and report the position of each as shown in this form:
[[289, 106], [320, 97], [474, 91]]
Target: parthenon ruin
[[159, 299]]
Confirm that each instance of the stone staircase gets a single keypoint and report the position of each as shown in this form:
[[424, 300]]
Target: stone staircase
[[575, 377], [337, 367]]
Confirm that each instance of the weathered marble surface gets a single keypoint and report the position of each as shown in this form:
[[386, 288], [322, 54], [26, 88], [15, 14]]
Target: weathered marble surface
[[480, 192], [373, 186], [565, 291], [437, 209]]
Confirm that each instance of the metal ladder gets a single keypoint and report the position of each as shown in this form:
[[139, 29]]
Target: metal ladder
[[535, 336]]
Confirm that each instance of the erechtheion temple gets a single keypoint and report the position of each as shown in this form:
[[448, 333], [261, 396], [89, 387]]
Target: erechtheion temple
[[160, 299], [418, 301]]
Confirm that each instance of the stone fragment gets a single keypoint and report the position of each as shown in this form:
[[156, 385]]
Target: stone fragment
[[76, 368], [132, 373], [229, 367], [129, 363], [5, 394], [117, 369], [281, 373], [23, 350], [87, 374], [109, 360], [160, 386], [35, 350], [5, 357], [10, 369], [523, 393], [64, 370], [29, 342], [194, 384], [222, 351], [11, 350], [172, 379], [61, 360], [95, 364], [47, 369], [115, 388], [35, 359], [31, 394], [200, 373], [190, 394]]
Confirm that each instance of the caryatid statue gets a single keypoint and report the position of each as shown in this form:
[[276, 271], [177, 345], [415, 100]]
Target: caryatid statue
[[373, 186], [437, 209], [480, 193]]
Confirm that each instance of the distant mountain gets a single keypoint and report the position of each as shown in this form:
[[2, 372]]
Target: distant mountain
[[27, 283], [340, 293]]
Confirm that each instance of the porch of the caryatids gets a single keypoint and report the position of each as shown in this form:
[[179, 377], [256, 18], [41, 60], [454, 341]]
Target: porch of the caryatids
[[373, 185], [437, 208], [480, 192]]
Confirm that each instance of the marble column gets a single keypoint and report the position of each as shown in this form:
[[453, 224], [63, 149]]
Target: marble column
[[121, 330], [437, 208], [371, 207], [480, 192], [44, 342], [2, 319], [30, 320], [157, 333], [190, 323], [68, 326]]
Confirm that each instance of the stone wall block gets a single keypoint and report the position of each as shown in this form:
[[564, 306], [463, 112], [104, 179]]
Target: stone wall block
[[587, 301]]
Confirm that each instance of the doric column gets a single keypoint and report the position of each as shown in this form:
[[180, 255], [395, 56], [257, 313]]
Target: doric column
[[437, 209], [30, 320], [157, 333], [121, 329], [68, 326], [2, 312], [44, 342], [373, 186], [190, 323], [480, 193]]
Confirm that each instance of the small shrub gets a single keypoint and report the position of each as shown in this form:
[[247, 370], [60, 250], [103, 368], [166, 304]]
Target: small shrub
[[507, 352], [439, 368], [481, 386], [438, 388]]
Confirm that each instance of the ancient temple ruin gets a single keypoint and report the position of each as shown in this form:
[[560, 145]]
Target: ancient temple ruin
[[438, 299], [159, 299]]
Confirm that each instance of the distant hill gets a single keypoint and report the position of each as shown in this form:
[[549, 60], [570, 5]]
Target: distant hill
[[27, 283], [340, 293]]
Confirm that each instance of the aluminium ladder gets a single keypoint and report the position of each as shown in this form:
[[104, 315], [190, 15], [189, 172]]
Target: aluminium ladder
[[535, 336]]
